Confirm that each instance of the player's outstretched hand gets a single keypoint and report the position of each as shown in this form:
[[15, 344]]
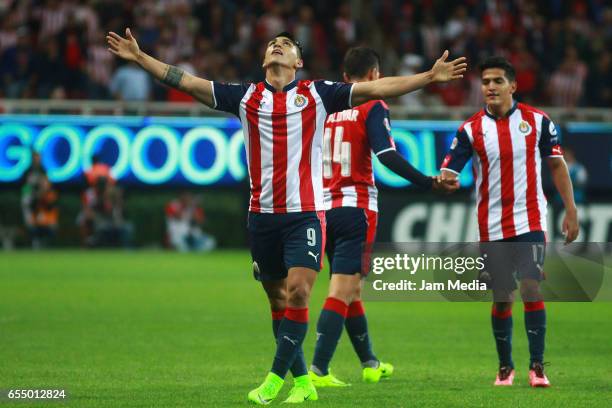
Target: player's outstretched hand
[[444, 71], [126, 48], [570, 226], [444, 185]]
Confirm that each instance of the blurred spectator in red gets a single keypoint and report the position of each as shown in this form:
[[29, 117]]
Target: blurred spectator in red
[[526, 70], [72, 41], [567, 82], [453, 94], [184, 220]]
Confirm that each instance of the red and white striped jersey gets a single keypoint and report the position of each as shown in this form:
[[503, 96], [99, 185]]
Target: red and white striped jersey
[[283, 136], [348, 142], [507, 155]]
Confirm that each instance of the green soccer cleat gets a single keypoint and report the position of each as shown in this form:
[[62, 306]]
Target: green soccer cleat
[[373, 375], [267, 391], [303, 390], [328, 380]]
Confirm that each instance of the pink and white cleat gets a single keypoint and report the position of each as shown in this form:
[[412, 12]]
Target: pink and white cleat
[[505, 376], [537, 378]]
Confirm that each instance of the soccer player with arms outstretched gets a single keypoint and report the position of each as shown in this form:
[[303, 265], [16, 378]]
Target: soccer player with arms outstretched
[[350, 197], [508, 141], [283, 121]]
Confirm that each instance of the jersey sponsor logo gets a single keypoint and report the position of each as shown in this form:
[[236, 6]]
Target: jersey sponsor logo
[[557, 151], [525, 128], [300, 101], [387, 124], [447, 160], [552, 129]]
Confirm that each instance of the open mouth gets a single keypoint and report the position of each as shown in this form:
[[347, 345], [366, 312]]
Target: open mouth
[[278, 52]]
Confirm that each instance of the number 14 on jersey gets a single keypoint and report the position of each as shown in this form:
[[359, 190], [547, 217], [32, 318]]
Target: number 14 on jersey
[[341, 153]]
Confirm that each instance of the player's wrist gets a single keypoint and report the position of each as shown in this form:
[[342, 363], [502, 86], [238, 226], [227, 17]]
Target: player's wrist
[[139, 57], [430, 76]]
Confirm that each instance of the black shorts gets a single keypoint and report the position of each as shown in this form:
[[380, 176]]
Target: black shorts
[[351, 232], [282, 241], [519, 257]]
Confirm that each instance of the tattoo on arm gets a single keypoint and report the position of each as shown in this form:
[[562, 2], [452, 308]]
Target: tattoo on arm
[[173, 76]]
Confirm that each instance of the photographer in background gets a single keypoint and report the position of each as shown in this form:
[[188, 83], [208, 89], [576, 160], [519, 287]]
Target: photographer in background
[[184, 220], [39, 204]]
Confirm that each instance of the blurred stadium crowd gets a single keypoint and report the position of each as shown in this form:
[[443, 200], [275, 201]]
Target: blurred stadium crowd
[[56, 48]]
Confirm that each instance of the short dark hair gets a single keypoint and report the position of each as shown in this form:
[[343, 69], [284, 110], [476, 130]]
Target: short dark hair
[[293, 40], [499, 62], [358, 61]]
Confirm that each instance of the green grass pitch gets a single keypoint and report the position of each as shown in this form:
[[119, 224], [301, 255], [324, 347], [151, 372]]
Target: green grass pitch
[[160, 329]]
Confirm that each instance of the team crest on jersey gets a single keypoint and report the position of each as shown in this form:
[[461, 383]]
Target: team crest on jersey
[[300, 101], [525, 128]]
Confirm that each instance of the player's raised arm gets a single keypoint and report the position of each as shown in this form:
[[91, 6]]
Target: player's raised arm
[[127, 48], [390, 87]]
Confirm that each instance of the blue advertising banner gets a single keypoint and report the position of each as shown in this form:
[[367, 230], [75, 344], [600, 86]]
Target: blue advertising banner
[[185, 151]]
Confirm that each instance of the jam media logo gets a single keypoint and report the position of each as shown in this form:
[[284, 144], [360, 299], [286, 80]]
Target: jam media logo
[[299, 101], [525, 128]]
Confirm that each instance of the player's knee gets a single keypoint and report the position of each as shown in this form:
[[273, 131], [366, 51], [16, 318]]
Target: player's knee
[[341, 293], [277, 296], [278, 303], [502, 307], [299, 295], [356, 293], [530, 290]]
